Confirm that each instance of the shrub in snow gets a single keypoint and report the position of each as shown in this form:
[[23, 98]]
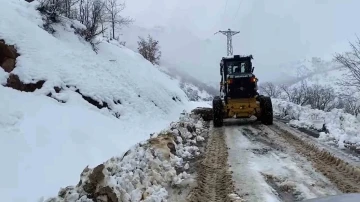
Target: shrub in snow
[[150, 49], [51, 11], [145, 171]]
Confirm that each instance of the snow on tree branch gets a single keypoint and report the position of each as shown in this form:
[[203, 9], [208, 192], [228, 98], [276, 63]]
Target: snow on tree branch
[[113, 10]]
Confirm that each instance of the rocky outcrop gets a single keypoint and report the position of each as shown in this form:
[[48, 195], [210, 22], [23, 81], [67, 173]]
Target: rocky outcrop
[[8, 55], [14, 82]]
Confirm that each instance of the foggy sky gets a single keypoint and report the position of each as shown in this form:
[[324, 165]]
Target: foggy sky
[[274, 31]]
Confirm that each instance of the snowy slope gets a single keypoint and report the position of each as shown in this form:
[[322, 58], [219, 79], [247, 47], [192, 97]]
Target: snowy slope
[[44, 143], [307, 68], [195, 94], [183, 50], [193, 88], [64, 60], [320, 72]]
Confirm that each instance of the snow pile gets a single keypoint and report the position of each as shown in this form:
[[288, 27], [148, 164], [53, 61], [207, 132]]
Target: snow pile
[[335, 125], [144, 173]]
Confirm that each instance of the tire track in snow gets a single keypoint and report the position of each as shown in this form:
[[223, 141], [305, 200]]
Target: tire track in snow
[[346, 177], [343, 154], [267, 168], [249, 183], [214, 178]]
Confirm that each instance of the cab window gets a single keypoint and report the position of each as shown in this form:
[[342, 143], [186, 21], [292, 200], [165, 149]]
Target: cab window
[[236, 68]]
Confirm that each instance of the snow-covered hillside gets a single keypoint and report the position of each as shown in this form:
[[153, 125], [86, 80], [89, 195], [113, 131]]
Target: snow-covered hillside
[[183, 50], [195, 94], [193, 88], [90, 106], [316, 71], [181, 59], [307, 68]]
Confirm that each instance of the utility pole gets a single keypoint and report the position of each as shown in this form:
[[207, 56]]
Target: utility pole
[[229, 35]]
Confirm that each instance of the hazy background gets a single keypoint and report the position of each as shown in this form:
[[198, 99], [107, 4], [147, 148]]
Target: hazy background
[[277, 32]]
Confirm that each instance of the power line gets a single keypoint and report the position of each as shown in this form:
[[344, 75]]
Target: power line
[[225, 9], [238, 9]]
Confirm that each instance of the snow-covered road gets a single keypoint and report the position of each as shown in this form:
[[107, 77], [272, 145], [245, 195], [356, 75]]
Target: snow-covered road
[[272, 170], [274, 163]]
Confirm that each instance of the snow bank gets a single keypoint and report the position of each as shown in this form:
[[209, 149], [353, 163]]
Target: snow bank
[[146, 171], [341, 127], [44, 143]]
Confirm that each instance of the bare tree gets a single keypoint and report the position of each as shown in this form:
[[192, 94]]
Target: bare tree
[[352, 107], [270, 89], [69, 10], [351, 61], [149, 49], [92, 14], [317, 96], [351, 104], [320, 97], [82, 8], [298, 94], [113, 10]]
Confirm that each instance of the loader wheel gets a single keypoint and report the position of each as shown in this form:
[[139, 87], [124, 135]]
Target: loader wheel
[[266, 116], [218, 112]]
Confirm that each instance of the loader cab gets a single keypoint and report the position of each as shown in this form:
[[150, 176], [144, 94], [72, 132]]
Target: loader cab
[[238, 67], [237, 78]]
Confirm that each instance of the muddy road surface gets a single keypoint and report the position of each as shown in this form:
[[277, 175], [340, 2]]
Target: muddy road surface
[[213, 176], [253, 162]]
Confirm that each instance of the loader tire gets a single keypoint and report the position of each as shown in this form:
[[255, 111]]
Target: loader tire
[[259, 98], [218, 119], [266, 116]]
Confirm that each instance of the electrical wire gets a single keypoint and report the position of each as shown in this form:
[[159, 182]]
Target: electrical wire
[[238, 9], [225, 9]]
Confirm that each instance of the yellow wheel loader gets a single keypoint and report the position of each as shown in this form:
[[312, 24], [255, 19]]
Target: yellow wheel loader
[[238, 93]]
